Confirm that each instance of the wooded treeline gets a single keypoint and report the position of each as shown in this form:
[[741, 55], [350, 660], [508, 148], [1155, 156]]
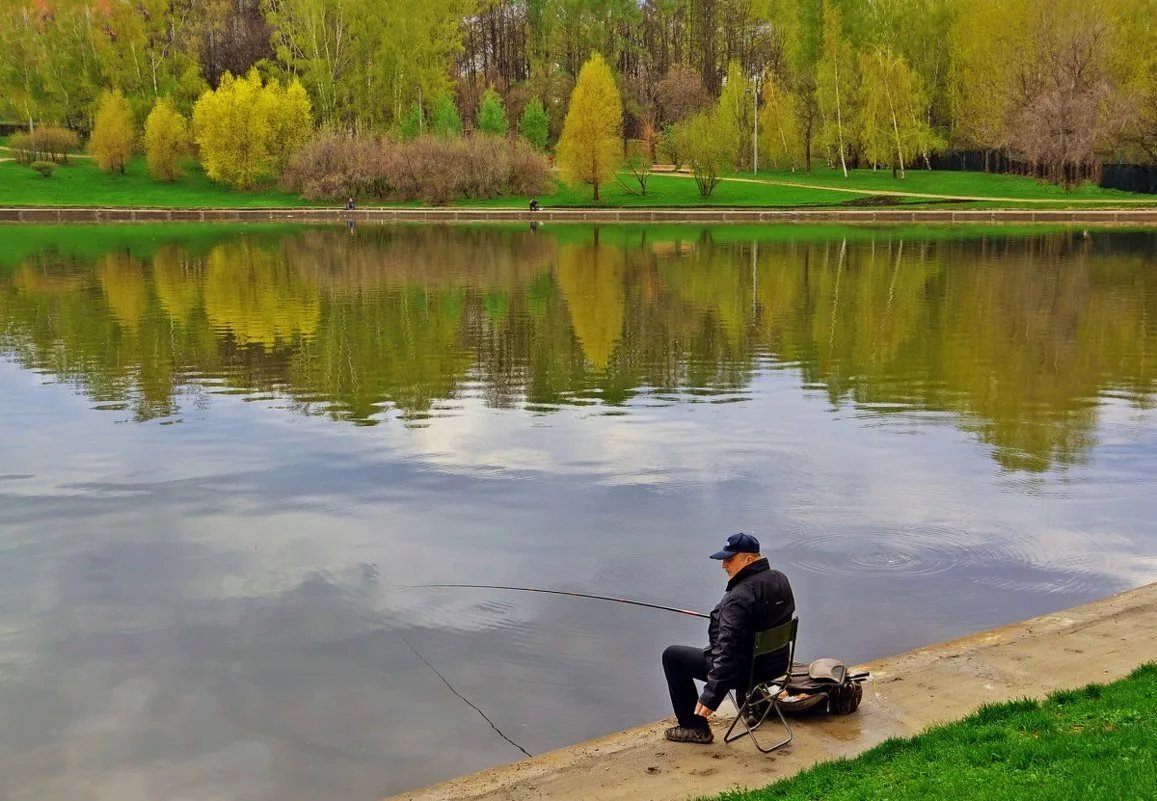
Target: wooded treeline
[[1057, 84]]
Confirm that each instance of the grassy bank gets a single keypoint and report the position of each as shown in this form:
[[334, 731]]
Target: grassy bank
[[80, 183], [1096, 743]]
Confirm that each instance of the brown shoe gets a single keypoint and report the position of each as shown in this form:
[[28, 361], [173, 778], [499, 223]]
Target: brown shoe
[[686, 734]]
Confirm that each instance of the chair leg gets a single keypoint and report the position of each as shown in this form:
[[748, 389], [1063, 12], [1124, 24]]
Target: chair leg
[[749, 730]]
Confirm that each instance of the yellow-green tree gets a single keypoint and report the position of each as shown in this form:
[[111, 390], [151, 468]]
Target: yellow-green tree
[[246, 129], [113, 135], [891, 126], [835, 86], [589, 150], [780, 136], [166, 141], [290, 120]]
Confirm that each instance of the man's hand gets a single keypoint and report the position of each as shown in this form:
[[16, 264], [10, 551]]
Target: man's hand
[[703, 711]]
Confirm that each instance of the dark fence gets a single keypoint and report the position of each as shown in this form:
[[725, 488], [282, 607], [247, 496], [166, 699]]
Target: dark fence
[[9, 128], [1127, 177], [1130, 177]]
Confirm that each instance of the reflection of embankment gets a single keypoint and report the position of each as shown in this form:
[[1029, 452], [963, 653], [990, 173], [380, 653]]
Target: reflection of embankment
[[375, 258], [1017, 338]]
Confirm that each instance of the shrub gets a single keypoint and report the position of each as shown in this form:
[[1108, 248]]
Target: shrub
[[23, 149], [166, 141], [47, 143], [708, 154], [113, 136], [45, 168], [431, 169]]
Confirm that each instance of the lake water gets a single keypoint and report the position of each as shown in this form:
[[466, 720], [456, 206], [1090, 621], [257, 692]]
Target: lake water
[[225, 452]]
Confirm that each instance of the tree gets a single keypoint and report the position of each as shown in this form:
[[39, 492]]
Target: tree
[[113, 134], [834, 84], [412, 125], [290, 118], [534, 124], [166, 141], [492, 114], [589, 149], [681, 93], [445, 121], [735, 115], [247, 129], [891, 124], [780, 136]]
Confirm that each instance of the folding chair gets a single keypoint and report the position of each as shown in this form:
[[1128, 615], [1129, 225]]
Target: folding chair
[[766, 691]]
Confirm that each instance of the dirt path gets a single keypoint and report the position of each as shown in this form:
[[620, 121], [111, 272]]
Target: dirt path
[[923, 195], [1097, 642]]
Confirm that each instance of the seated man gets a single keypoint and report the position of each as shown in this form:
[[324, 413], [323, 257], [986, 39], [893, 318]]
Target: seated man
[[757, 598]]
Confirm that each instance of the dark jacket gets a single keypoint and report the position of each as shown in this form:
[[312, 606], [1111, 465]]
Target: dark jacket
[[757, 598]]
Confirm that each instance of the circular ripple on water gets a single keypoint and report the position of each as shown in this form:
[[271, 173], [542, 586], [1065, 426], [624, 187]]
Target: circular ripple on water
[[908, 550]]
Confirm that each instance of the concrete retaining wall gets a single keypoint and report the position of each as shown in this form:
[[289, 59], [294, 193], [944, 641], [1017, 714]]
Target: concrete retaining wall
[[1140, 216]]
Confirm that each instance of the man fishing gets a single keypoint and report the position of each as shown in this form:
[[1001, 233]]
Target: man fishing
[[757, 598]]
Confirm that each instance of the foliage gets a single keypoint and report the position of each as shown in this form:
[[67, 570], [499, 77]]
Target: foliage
[[114, 135], [247, 129], [534, 125], [46, 143], [492, 114], [779, 125], [589, 149], [45, 168], [735, 116], [445, 121], [681, 93], [413, 124], [167, 141], [708, 154], [431, 169], [835, 87], [890, 124]]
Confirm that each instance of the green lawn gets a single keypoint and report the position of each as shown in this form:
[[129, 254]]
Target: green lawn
[[1093, 744], [81, 184]]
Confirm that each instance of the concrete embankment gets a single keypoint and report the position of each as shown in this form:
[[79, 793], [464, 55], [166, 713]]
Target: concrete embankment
[[1124, 216], [1097, 642]]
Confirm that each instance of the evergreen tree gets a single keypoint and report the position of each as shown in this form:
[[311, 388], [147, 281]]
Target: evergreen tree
[[534, 125], [445, 121], [492, 114]]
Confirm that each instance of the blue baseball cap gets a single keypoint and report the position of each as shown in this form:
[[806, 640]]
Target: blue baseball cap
[[737, 543]]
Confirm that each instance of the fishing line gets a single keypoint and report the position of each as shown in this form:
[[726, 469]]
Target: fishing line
[[690, 612], [460, 695]]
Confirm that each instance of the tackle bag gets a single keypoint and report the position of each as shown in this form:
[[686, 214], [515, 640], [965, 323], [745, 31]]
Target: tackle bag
[[823, 687]]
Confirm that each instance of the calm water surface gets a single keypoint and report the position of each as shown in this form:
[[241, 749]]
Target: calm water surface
[[224, 451]]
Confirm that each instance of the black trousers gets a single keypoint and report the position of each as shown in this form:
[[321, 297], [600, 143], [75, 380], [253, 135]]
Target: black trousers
[[682, 664]]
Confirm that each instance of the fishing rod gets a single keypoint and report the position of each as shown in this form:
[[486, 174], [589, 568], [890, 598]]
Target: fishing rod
[[690, 612]]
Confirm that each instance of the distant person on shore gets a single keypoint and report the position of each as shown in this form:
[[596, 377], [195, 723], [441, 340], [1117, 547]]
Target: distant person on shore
[[757, 598], [350, 205]]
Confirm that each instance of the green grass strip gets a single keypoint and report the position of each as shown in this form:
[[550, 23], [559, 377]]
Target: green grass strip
[[1094, 744]]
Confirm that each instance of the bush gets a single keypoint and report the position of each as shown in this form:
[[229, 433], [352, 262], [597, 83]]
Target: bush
[[434, 170], [45, 168], [708, 154], [166, 141], [113, 135], [23, 150], [47, 143]]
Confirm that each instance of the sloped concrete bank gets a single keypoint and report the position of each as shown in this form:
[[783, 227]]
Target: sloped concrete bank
[[1097, 642], [1138, 216]]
